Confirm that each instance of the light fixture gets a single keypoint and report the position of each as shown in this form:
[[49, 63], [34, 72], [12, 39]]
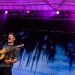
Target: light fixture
[[6, 12], [57, 12]]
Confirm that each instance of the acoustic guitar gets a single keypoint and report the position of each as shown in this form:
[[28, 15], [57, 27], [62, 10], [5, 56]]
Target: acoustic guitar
[[4, 51]]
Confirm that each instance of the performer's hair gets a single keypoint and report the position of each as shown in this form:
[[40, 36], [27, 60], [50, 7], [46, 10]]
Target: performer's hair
[[12, 34]]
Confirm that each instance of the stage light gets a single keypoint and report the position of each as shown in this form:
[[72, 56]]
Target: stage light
[[57, 12], [6, 12], [28, 11]]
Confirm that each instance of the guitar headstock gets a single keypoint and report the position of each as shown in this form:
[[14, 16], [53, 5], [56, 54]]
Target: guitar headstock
[[21, 45]]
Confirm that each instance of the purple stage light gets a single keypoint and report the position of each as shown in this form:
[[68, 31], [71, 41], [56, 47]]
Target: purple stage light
[[46, 14], [28, 11], [57, 12], [6, 12]]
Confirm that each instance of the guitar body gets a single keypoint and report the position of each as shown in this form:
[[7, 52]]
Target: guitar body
[[2, 56], [2, 53]]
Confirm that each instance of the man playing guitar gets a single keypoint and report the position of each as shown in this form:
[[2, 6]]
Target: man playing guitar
[[7, 63]]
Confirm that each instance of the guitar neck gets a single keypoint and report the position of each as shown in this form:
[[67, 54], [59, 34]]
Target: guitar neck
[[8, 50], [18, 46]]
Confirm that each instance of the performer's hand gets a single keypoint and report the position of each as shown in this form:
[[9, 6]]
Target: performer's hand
[[10, 61], [7, 61]]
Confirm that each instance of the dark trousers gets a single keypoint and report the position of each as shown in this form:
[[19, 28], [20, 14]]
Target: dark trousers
[[5, 71]]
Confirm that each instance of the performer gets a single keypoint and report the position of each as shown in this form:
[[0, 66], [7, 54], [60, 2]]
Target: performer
[[6, 64]]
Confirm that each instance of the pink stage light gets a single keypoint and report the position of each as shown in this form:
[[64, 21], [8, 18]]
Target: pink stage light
[[28, 11], [6, 12], [57, 12]]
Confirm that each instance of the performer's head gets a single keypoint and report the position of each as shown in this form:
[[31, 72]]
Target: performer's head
[[11, 38]]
